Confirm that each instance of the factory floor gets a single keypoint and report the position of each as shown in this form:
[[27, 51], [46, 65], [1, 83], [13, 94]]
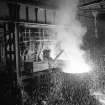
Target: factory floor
[[10, 93], [8, 88]]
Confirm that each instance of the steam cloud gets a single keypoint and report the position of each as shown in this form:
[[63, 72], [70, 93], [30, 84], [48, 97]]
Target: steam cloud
[[69, 37]]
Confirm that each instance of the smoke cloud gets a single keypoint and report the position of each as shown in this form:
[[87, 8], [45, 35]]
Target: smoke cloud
[[70, 37]]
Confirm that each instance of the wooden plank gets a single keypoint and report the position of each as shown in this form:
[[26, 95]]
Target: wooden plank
[[22, 12], [32, 13], [41, 15], [4, 12], [27, 13]]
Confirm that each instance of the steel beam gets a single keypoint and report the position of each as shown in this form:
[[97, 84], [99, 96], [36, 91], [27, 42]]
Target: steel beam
[[89, 3]]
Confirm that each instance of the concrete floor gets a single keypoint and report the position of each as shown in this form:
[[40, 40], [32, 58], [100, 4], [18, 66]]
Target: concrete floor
[[74, 94]]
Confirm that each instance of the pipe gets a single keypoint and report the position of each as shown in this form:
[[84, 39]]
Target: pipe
[[58, 55]]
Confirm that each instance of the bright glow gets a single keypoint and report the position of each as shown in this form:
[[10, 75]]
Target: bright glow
[[75, 61], [76, 65], [73, 55], [70, 38]]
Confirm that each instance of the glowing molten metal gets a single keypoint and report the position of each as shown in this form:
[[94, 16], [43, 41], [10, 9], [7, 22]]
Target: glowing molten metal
[[76, 65], [73, 56], [70, 38]]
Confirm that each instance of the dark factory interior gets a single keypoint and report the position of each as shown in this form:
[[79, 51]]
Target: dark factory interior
[[52, 52]]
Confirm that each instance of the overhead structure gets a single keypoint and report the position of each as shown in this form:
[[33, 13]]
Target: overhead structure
[[98, 5]]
